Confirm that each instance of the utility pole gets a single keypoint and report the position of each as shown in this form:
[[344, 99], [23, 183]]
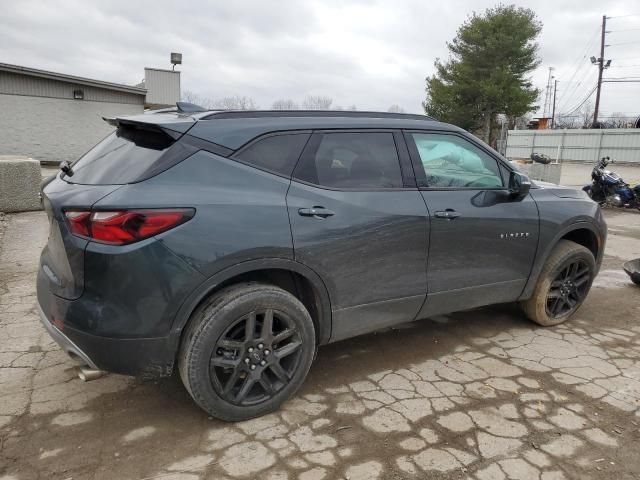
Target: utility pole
[[547, 96], [553, 114], [601, 67]]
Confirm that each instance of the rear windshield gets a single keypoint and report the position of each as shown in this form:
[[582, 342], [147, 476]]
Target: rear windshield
[[121, 158]]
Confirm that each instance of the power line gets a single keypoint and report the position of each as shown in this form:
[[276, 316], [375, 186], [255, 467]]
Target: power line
[[567, 94], [577, 65], [576, 89], [623, 16], [583, 101], [622, 43]]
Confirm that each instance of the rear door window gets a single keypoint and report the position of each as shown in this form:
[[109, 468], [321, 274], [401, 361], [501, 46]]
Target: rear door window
[[277, 153], [121, 158], [353, 160]]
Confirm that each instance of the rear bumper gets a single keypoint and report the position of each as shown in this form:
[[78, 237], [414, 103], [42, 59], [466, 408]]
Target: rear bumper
[[64, 342], [143, 357], [138, 356]]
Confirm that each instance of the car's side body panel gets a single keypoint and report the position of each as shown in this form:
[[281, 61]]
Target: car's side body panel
[[240, 214], [323, 303], [483, 254], [374, 249], [558, 217], [482, 257]]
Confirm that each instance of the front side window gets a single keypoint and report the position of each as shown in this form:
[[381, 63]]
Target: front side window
[[353, 160], [278, 153], [452, 162]]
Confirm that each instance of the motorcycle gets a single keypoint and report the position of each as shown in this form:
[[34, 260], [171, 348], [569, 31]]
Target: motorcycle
[[609, 190]]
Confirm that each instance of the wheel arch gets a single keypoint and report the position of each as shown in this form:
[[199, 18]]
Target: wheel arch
[[292, 276], [583, 233]]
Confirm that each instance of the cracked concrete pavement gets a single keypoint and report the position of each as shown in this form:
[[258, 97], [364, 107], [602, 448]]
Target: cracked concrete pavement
[[482, 394]]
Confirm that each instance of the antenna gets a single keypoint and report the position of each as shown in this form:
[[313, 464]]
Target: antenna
[[176, 59]]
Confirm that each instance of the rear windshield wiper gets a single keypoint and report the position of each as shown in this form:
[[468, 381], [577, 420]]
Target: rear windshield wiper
[[66, 168]]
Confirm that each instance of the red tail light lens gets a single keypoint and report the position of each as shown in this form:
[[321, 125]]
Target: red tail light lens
[[124, 227], [79, 223]]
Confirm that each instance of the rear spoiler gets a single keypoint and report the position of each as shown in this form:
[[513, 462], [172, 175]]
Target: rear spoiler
[[113, 121], [169, 123]]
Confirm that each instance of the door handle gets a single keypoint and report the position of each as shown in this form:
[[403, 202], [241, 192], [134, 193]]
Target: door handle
[[449, 214], [316, 212]]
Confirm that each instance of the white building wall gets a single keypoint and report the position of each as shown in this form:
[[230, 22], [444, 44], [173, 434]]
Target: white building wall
[[163, 87], [576, 145], [55, 129], [20, 84]]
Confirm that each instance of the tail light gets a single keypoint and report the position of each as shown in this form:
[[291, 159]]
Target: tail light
[[124, 226]]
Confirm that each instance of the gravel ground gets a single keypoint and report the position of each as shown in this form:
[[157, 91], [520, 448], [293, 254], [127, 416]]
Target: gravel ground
[[481, 394]]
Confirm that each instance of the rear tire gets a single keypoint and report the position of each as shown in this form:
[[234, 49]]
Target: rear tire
[[562, 286], [246, 350]]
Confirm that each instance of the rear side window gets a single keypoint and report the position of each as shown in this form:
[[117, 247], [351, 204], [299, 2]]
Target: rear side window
[[353, 160], [121, 158], [278, 153]]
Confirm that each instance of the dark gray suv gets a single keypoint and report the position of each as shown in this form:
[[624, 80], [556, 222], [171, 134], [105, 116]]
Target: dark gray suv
[[230, 245]]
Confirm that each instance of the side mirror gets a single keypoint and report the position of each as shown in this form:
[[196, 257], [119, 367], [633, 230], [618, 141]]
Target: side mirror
[[519, 184]]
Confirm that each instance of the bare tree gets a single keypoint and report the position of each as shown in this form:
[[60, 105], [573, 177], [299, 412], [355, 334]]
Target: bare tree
[[618, 120], [567, 121], [196, 99], [226, 103], [519, 123], [582, 118], [586, 115], [317, 102], [235, 103], [395, 108], [285, 104]]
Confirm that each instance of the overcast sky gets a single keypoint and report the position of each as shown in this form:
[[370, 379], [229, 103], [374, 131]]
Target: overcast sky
[[369, 53]]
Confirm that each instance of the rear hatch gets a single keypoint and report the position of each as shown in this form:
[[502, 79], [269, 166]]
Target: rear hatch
[[137, 150]]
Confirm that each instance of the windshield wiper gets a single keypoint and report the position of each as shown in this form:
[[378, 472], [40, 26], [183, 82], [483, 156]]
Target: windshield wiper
[[66, 168]]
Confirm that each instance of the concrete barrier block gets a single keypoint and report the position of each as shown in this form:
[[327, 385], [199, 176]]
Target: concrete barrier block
[[19, 184]]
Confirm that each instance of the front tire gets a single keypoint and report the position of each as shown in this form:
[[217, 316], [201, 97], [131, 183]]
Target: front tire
[[562, 286], [246, 350]]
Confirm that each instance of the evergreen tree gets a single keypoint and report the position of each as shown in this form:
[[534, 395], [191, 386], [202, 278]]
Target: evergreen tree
[[488, 70]]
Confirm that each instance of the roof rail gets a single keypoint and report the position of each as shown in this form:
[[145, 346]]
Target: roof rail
[[222, 114]]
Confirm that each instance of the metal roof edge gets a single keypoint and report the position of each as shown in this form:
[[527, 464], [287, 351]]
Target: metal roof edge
[[162, 70], [34, 72]]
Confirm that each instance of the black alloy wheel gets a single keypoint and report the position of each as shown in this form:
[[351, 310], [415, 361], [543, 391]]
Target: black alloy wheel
[[255, 357], [569, 288]]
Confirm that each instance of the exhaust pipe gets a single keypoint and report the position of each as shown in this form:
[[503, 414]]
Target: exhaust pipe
[[87, 374]]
